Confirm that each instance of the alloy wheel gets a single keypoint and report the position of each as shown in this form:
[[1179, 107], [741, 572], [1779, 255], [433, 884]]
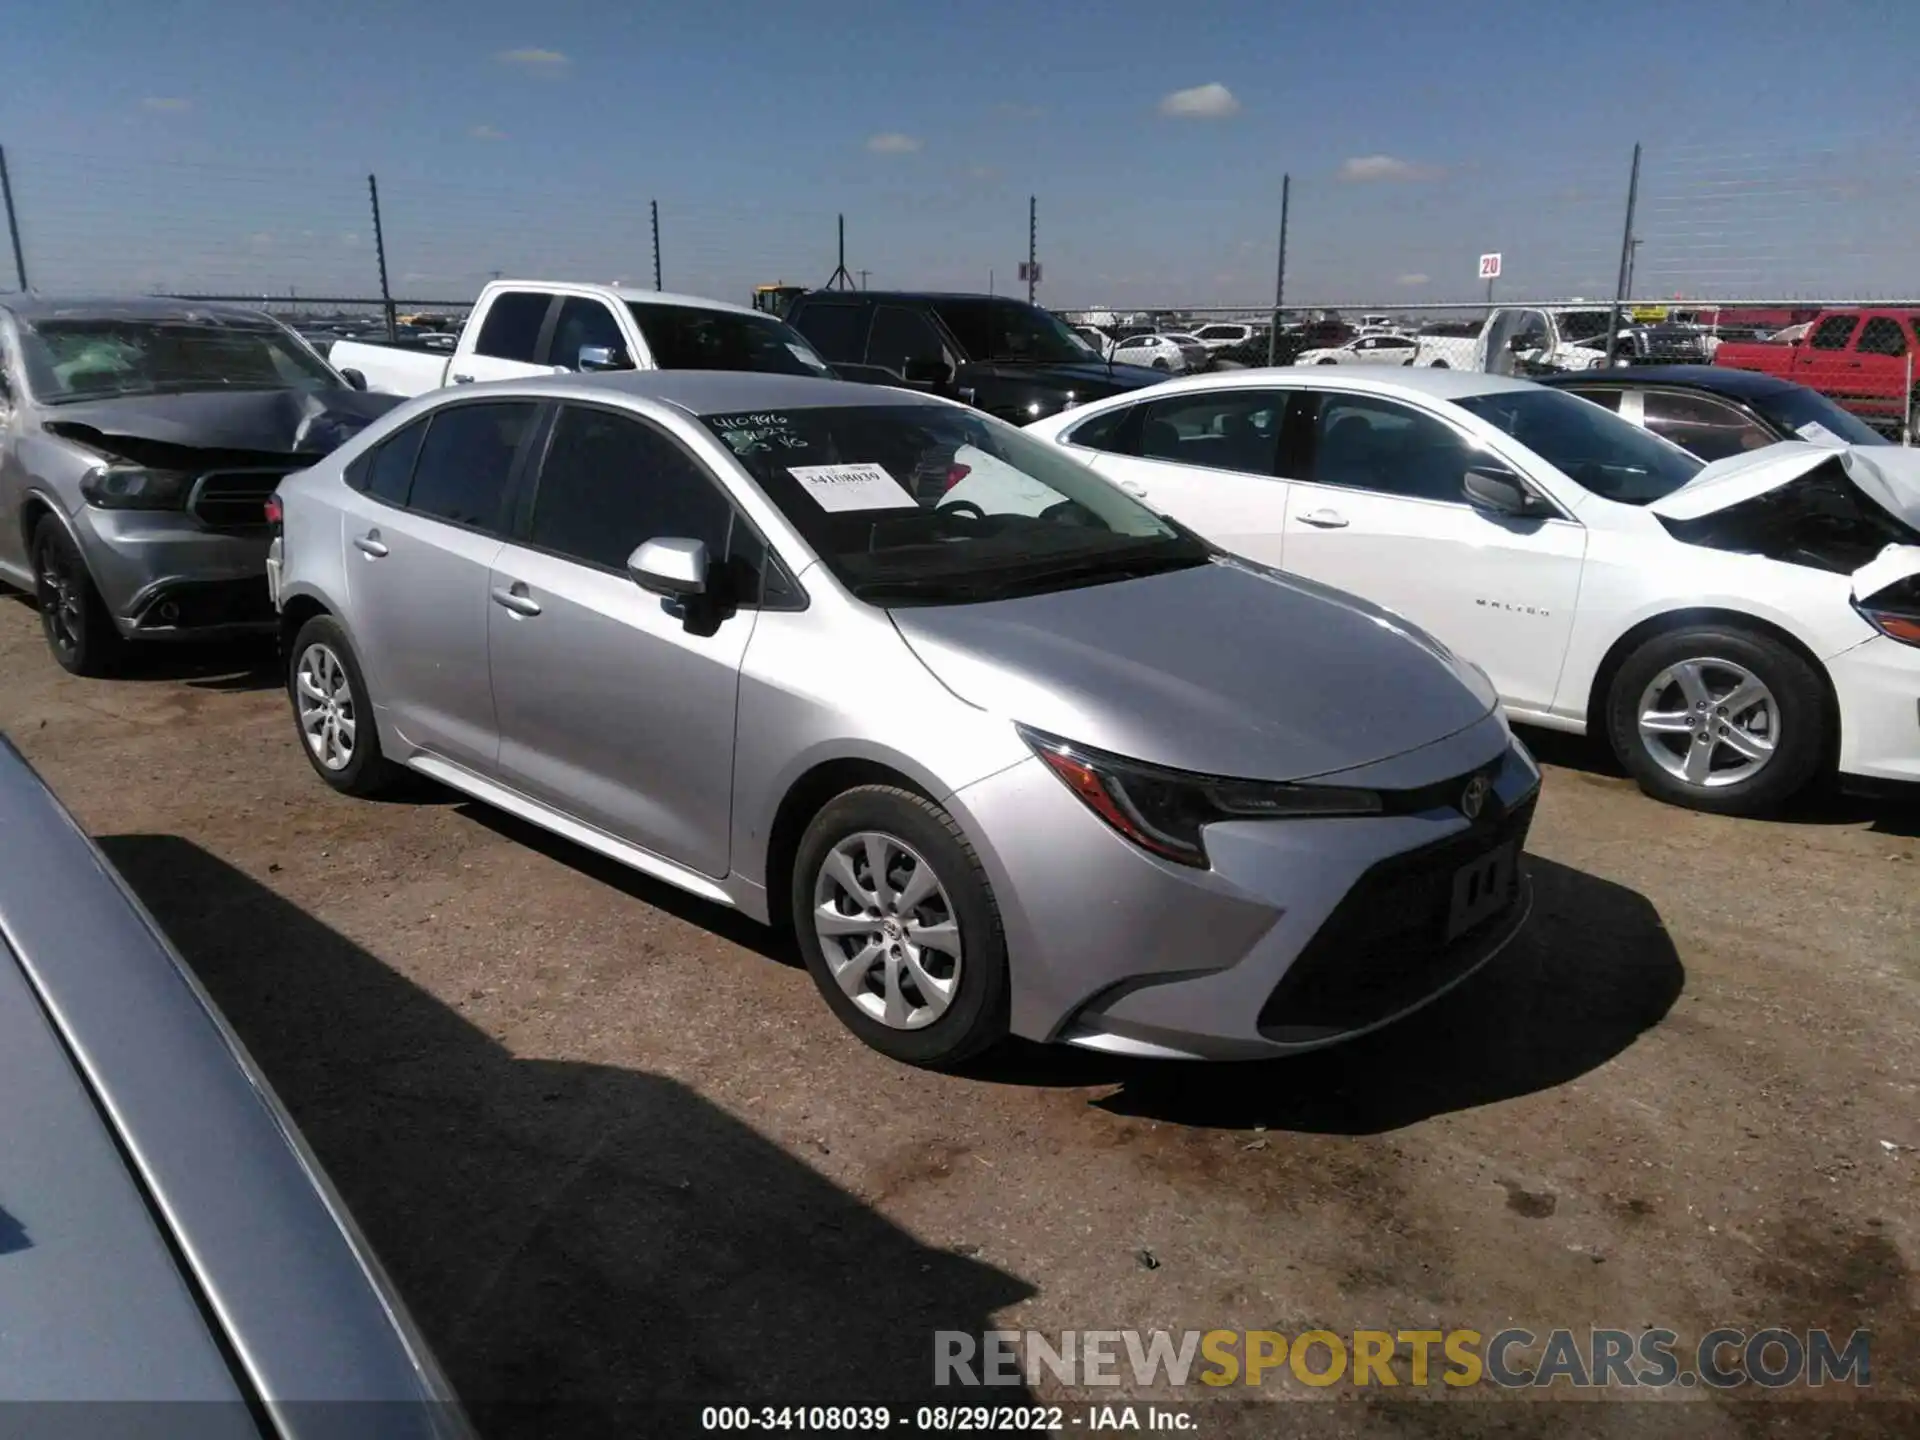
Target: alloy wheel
[[888, 930], [324, 696], [1709, 722], [62, 599]]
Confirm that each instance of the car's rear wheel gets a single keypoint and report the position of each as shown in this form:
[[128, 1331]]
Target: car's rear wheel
[[1439, 365], [333, 713], [1328, 361], [78, 626], [899, 927], [1718, 718], [1160, 363]]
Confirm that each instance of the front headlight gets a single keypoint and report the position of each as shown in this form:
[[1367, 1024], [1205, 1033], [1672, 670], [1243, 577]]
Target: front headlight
[[129, 487], [1165, 810]]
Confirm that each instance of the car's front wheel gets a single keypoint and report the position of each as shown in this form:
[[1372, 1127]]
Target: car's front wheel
[[1328, 361], [78, 626], [899, 928], [1718, 718], [334, 715]]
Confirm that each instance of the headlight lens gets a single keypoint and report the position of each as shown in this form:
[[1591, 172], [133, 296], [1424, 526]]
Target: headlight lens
[[1164, 810], [128, 487]]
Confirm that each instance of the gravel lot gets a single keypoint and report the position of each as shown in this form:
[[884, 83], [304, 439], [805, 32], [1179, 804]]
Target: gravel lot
[[614, 1149]]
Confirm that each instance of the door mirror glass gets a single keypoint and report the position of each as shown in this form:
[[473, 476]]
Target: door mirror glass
[[927, 371], [355, 380], [673, 566], [1494, 487], [603, 357]]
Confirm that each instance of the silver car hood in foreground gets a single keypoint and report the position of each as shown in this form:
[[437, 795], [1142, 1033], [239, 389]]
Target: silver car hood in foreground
[[1227, 668]]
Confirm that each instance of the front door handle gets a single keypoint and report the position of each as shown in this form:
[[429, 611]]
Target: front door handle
[[1324, 519], [1134, 488], [461, 379], [370, 545], [514, 597]]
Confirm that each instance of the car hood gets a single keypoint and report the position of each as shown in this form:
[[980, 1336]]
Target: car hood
[[144, 428], [1094, 380], [1887, 476], [1227, 668]]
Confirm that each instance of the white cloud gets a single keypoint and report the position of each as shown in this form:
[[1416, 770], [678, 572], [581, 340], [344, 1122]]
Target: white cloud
[[1364, 168], [167, 104], [535, 62], [890, 142], [1413, 278], [1212, 101], [487, 132]]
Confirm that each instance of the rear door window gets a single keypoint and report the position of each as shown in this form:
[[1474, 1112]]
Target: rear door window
[[1236, 430], [511, 330], [1882, 336], [466, 461]]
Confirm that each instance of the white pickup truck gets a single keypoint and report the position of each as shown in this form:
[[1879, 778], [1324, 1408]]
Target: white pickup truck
[[535, 327]]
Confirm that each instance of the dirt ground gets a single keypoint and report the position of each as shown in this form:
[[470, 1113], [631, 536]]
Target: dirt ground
[[617, 1153]]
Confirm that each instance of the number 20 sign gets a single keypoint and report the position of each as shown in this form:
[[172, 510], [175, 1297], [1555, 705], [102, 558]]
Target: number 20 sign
[[1490, 266]]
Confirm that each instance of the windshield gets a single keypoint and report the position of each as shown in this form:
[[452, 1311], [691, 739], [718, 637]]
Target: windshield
[[1802, 413], [684, 337], [1007, 330], [934, 504], [1594, 447], [73, 360]]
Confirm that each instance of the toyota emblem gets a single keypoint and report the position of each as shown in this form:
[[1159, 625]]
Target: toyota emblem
[[1474, 797]]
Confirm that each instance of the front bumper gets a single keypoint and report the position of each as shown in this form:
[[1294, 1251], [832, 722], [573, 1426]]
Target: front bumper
[[1303, 932], [164, 575], [1877, 685]]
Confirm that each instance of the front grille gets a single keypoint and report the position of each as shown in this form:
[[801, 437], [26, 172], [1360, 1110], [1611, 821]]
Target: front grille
[[233, 499], [1385, 946]]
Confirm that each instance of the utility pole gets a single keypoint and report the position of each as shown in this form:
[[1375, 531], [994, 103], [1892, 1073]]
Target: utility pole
[[1280, 273], [380, 250], [1033, 245], [656, 243], [13, 220], [1627, 244], [863, 278]]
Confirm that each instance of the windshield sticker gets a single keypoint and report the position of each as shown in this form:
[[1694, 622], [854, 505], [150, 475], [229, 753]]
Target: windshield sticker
[[758, 434], [836, 488], [807, 358], [1819, 434]]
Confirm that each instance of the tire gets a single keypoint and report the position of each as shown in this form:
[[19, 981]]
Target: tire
[[927, 1028], [78, 626], [321, 665], [1326, 362], [1715, 661], [1160, 365], [1439, 365]]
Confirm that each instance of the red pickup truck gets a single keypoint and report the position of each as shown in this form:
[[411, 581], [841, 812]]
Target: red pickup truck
[[1866, 360]]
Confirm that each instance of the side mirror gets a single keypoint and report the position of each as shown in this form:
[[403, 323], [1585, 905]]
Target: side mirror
[[1494, 487], [672, 566], [1519, 343], [603, 357], [355, 380], [936, 373]]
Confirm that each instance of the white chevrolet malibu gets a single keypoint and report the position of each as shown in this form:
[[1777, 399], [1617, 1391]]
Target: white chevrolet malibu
[[1733, 629]]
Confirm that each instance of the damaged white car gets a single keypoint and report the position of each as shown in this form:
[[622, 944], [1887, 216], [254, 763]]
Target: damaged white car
[[1735, 630]]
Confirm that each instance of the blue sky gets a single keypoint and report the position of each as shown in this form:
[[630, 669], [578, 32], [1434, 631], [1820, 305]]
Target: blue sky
[[207, 145]]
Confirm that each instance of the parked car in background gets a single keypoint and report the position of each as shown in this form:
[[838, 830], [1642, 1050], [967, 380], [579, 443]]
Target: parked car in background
[[1733, 630], [1717, 412], [167, 1235], [1116, 789], [1000, 355], [1155, 352], [1225, 334], [538, 327], [1366, 349], [1861, 359], [139, 440], [1535, 340]]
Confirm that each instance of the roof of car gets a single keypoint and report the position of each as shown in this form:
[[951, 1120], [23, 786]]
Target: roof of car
[[1440, 384], [35, 308], [715, 392], [928, 295], [1719, 379], [626, 293]]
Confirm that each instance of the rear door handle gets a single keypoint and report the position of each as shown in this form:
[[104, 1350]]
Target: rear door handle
[[370, 544], [1324, 519], [461, 379], [1134, 488], [514, 597]]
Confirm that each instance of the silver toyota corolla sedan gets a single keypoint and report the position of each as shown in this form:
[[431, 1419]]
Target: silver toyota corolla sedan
[[1008, 750]]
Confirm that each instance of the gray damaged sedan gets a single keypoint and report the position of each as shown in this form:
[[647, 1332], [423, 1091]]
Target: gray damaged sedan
[[1010, 752], [139, 441], [165, 1234]]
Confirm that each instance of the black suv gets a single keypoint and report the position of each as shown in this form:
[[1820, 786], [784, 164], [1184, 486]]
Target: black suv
[[1004, 356]]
